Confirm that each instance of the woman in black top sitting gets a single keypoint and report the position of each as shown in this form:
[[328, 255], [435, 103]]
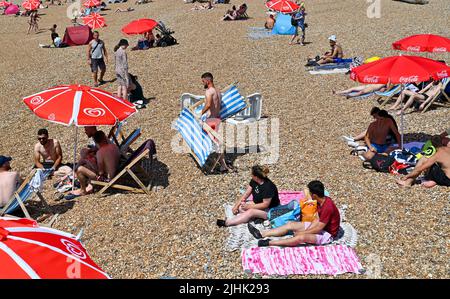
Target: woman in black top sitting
[[265, 197]]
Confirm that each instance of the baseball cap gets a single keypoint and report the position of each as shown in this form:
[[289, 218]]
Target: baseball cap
[[333, 38], [4, 159]]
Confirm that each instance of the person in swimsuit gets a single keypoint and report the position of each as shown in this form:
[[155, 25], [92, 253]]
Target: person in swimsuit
[[437, 167], [213, 102], [335, 55], [9, 180], [270, 21], [361, 90], [47, 152], [424, 96], [264, 194], [377, 133]]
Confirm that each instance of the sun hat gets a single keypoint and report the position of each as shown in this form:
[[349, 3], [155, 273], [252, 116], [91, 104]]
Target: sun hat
[[333, 38]]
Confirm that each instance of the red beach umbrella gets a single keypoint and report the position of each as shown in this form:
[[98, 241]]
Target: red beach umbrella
[[28, 251], [91, 3], [423, 43], [31, 5], [400, 70], [94, 21], [79, 105], [284, 6], [139, 26]]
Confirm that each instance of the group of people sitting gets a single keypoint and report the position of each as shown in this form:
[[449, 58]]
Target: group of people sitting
[[383, 137], [98, 161], [411, 95], [264, 192], [148, 41], [235, 13]]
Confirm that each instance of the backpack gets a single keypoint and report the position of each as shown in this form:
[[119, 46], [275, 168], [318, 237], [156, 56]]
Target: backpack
[[309, 210], [379, 163], [294, 22], [281, 215]]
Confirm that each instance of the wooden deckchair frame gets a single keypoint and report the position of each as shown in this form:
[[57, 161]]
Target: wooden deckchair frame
[[389, 97], [21, 203], [433, 100], [128, 169]]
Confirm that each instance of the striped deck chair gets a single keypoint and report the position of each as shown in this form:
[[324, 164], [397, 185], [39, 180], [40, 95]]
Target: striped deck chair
[[197, 139], [25, 192], [388, 94], [445, 89]]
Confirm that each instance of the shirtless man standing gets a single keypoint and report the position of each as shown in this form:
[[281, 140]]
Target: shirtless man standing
[[438, 167], [107, 156], [213, 100], [9, 180], [49, 150], [335, 55]]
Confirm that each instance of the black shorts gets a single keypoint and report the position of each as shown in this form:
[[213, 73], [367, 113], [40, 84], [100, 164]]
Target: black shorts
[[97, 64], [437, 175]]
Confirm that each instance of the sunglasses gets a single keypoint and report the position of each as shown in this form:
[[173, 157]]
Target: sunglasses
[[42, 138]]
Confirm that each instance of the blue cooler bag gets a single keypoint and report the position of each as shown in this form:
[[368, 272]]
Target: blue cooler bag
[[281, 215]]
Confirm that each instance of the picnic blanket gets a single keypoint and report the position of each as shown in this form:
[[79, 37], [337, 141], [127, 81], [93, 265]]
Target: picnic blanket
[[330, 260], [256, 33], [240, 238]]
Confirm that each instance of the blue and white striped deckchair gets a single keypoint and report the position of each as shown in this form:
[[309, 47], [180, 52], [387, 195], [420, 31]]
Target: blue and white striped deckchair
[[24, 193], [193, 134], [232, 103]]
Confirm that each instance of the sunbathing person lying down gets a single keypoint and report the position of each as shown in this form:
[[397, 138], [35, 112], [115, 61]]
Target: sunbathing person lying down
[[320, 232], [361, 90], [265, 196]]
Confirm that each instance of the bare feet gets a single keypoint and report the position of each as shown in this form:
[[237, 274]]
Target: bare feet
[[404, 183], [400, 112], [429, 184]]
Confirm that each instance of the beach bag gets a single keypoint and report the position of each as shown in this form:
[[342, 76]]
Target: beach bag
[[379, 163], [309, 210], [281, 215], [294, 22]]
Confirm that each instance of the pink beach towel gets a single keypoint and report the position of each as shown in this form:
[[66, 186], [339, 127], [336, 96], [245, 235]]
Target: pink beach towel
[[330, 260]]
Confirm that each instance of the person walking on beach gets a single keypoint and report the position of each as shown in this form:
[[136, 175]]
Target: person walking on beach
[[123, 78], [298, 21], [96, 58], [213, 102]]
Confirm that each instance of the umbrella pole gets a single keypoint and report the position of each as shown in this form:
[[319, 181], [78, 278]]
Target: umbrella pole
[[74, 157], [401, 120]]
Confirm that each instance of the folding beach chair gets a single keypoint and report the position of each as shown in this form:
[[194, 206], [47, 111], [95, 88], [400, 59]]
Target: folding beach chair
[[197, 137], [25, 192], [388, 94], [444, 92], [125, 142], [252, 113], [130, 166]]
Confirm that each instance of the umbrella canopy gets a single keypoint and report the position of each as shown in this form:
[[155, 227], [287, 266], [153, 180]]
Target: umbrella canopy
[[79, 105], [94, 21], [400, 70], [5, 3], [423, 43], [139, 26], [284, 6], [30, 251], [91, 3], [31, 4]]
